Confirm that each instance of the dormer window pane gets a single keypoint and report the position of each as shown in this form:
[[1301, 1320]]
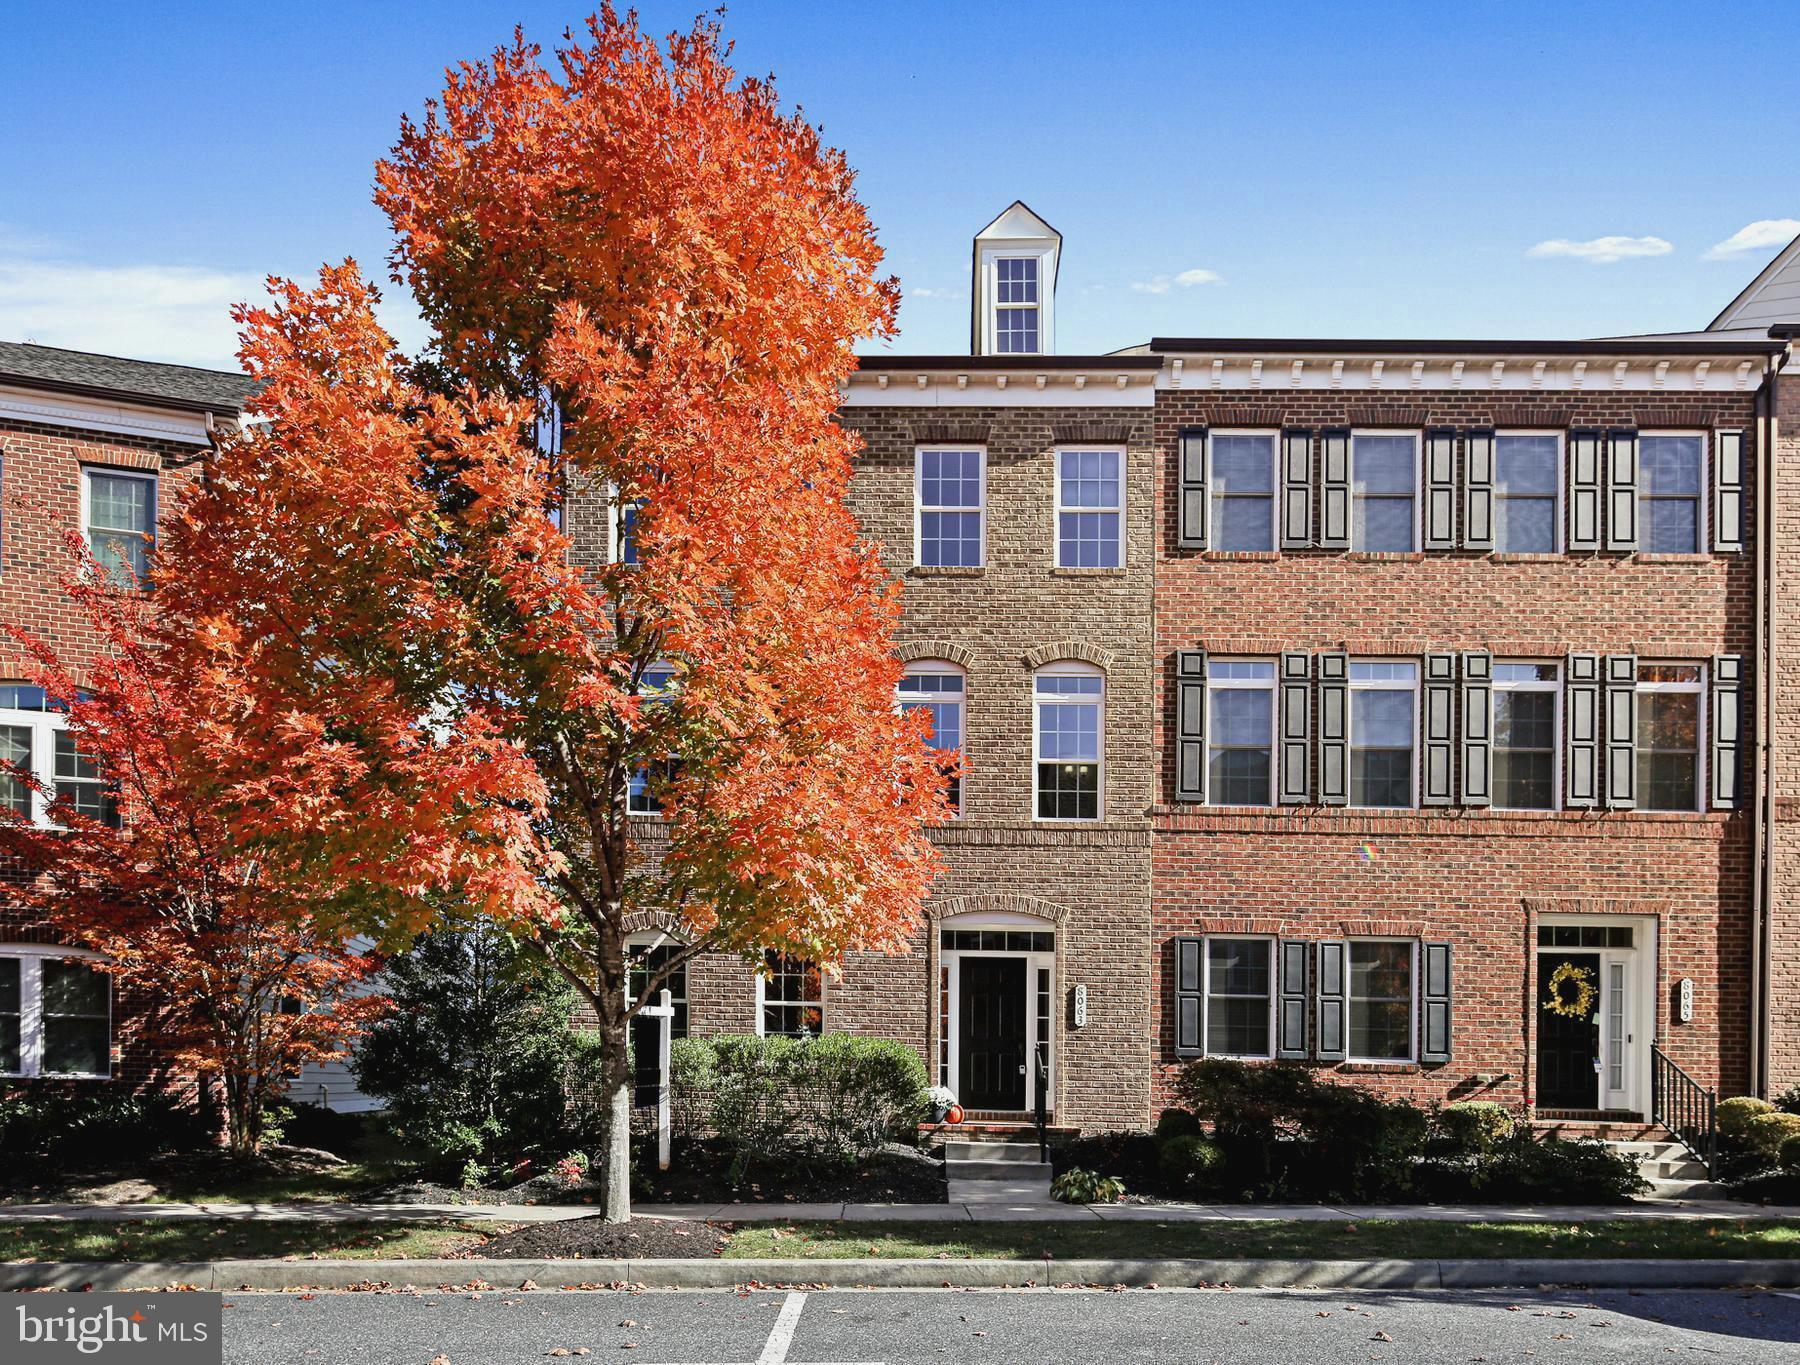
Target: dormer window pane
[[1016, 305], [1018, 279]]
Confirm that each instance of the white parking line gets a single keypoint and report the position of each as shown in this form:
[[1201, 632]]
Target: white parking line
[[781, 1336]]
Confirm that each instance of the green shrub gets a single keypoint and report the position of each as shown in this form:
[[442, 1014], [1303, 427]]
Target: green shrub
[[1174, 1123], [1077, 1186], [1190, 1164], [1788, 1101], [1766, 1133], [1734, 1114], [1790, 1155], [77, 1127], [1525, 1169], [1133, 1158], [1471, 1128]]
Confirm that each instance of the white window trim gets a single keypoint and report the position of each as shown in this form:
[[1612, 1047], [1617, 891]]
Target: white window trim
[[1271, 685], [1206, 1048], [1034, 962], [652, 939], [1354, 686], [919, 508], [1641, 983], [1214, 499], [630, 809], [991, 256], [1069, 668], [44, 727], [1412, 1012], [1555, 688], [1702, 498], [917, 667], [1057, 510], [31, 957], [761, 999], [88, 471], [1698, 690], [1418, 517], [1558, 501]]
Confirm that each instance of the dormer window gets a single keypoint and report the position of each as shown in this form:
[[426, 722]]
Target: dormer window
[[1016, 305], [1014, 296]]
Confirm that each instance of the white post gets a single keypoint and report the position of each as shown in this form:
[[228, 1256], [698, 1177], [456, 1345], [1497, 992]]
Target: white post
[[665, 1032]]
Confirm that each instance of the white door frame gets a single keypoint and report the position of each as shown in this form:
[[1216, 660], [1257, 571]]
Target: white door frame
[[951, 962], [1637, 970]]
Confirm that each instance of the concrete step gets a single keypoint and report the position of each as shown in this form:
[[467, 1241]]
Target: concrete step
[[1655, 1150], [999, 1192], [1676, 1168], [1686, 1189], [997, 1170], [956, 1150]]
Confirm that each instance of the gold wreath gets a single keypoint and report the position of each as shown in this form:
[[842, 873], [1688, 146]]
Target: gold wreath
[[1583, 1003]]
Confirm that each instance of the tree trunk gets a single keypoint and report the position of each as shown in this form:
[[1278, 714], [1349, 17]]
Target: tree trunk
[[242, 1137], [613, 1169]]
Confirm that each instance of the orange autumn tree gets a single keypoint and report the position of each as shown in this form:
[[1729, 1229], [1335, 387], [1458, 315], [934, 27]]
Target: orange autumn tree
[[644, 282], [246, 984]]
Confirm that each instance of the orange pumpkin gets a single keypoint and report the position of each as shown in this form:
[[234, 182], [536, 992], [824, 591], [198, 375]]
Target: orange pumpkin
[[954, 1114]]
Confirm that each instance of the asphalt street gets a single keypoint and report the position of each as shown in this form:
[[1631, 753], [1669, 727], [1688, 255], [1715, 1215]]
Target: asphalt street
[[864, 1327]]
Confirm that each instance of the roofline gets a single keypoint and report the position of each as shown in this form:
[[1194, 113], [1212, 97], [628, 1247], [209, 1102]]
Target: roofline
[[1025, 363], [1782, 257], [131, 396], [1371, 346]]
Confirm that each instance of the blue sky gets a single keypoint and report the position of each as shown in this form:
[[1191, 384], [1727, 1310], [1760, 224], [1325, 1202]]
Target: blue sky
[[1380, 169]]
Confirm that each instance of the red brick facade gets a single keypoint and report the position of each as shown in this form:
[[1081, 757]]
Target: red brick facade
[[1783, 987]]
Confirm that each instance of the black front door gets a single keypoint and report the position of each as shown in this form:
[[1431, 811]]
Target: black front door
[[1567, 1048], [993, 1033]]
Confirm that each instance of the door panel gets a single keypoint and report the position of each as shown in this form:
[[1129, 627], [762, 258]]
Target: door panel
[[1567, 1049], [992, 1023]]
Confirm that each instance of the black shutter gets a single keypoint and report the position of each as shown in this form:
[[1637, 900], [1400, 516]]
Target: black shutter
[[1621, 490], [1582, 723], [1334, 489], [1440, 489], [1190, 954], [1296, 489], [1434, 1021], [1478, 490], [1477, 729], [1728, 490], [1190, 725], [1334, 729], [1439, 729], [1295, 785], [1727, 726], [1621, 731], [1584, 490], [1334, 1002], [1290, 1018], [1195, 488]]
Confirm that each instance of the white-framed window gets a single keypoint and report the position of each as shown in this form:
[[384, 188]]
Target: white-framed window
[[1670, 731], [35, 738], [1243, 490], [1018, 286], [1527, 480], [118, 517], [1240, 732], [647, 782], [790, 997], [1384, 486], [1239, 988], [1069, 703], [55, 1013], [1671, 475], [1090, 508], [938, 688], [1527, 735], [1383, 987], [1384, 709], [950, 495], [646, 954], [624, 530]]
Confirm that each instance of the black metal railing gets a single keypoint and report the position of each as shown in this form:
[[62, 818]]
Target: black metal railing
[[1040, 1087], [1685, 1107]]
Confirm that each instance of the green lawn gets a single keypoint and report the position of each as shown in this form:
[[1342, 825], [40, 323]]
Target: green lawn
[[219, 1240], [176, 1180]]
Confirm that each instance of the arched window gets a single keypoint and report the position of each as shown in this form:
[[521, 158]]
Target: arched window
[[1069, 705], [938, 687]]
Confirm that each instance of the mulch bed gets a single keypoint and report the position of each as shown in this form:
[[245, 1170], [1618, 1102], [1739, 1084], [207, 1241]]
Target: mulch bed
[[595, 1239], [889, 1178]]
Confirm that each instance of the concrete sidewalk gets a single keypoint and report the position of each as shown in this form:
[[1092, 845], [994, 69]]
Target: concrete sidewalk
[[973, 1211]]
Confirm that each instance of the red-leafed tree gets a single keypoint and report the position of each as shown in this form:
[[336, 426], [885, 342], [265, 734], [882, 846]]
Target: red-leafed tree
[[248, 984], [644, 282]]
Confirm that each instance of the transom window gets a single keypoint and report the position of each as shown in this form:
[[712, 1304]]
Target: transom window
[[34, 739], [1240, 732], [950, 500], [1383, 726], [937, 688], [793, 997], [643, 960], [1526, 479], [1381, 1000], [1016, 305], [1240, 997], [1668, 736], [1669, 483], [1243, 490], [55, 1015], [1090, 508], [1384, 476], [119, 520], [1526, 700], [1584, 936], [650, 780], [1069, 701]]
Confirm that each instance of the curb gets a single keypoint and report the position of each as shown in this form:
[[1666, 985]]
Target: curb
[[899, 1274]]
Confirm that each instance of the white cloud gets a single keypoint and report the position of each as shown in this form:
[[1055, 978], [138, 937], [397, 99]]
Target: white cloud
[[1761, 235], [924, 292], [1187, 279], [1603, 250]]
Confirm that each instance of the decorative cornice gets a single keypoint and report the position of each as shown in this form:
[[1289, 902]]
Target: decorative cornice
[[86, 414]]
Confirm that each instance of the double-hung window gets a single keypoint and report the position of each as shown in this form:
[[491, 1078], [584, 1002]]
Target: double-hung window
[[1384, 478], [649, 780], [1016, 322], [1668, 736], [1069, 700], [951, 488], [119, 520], [1090, 509], [35, 740], [55, 1014], [1526, 477], [1670, 477], [1525, 739], [1243, 490], [643, 960], [1240, 732], [625, 537], [1240, 997], [1381, 1000], [792, 992], [1383, 732], [937, 688]]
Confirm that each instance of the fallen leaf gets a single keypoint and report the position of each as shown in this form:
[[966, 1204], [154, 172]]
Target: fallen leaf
[[1381, 1336]]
